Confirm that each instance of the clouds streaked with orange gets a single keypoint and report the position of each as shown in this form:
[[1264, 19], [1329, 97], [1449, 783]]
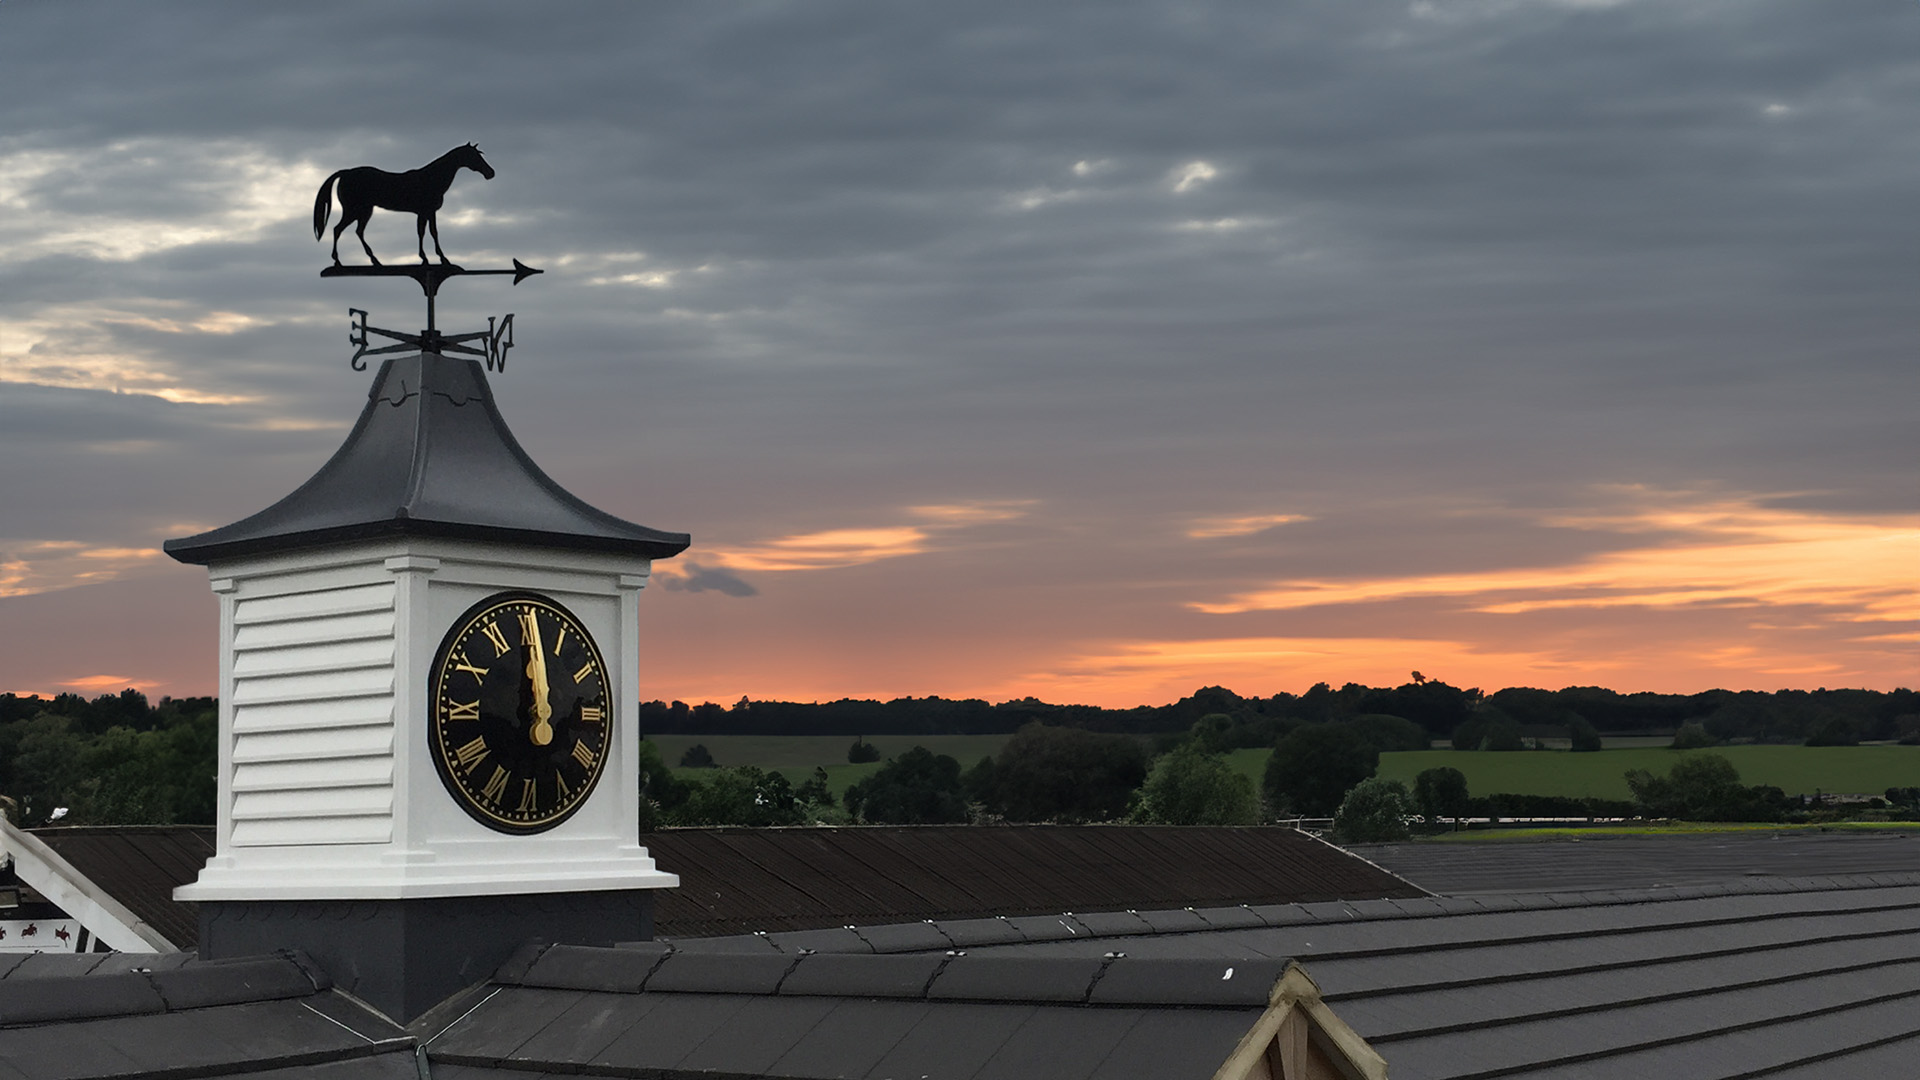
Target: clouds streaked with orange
[[40, 566], [1212, 528], [1859, 567], [840, 548]]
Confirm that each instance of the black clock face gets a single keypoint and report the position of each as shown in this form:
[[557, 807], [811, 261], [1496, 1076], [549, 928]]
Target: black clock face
[[521, 722]]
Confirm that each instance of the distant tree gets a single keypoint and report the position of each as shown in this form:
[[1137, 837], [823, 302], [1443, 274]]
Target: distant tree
[[1581, 734], [1313, 767], [698, 757], [982, 782], [743, 795], [1703, 787], [1469, 735], [1375, 811], [919, 787], [1066, 774], [1389, 733], [1503, 732], [1693, 735], [862, 752], [814, 791], [660, 792], [1211, 732], [1441, 793], [1190, 786], [1837, 731]]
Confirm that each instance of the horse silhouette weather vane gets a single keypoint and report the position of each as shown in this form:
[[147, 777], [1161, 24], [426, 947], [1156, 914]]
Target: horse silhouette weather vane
[[419, 192]]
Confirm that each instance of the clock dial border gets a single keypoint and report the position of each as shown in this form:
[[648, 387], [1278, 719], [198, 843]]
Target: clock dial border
[[443, 748]]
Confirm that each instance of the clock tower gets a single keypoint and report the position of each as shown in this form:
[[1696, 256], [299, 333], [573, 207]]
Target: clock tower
[[429, 666]]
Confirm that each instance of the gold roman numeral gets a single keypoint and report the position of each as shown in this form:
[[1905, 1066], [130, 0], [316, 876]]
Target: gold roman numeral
[[580, 676], [529, 627], [526, 796], [458, 711], [468, 756], [583, 754], [461, 663], [496, 785], [497, 636], [560, 784], [591, 714], [557, 641]]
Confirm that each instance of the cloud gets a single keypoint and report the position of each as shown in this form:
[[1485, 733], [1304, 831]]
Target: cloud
[[698, 578], [1213, 528], [1192, 175], [1732, 552]]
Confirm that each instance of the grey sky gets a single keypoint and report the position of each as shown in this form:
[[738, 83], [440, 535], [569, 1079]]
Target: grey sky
[[1442, 285]]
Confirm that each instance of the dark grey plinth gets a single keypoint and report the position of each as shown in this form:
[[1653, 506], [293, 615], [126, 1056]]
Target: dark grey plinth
[[405, 956]]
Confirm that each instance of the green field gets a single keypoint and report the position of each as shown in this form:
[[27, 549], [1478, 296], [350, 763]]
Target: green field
[[1867, 770], [1797, 770], [796, 756]]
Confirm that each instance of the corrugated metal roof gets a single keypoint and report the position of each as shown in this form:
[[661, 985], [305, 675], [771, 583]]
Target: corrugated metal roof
[[740, 880], [140, 865], [1597, 862]]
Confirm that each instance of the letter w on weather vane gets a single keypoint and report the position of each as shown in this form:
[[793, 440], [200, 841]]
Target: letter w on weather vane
[[419, 192]]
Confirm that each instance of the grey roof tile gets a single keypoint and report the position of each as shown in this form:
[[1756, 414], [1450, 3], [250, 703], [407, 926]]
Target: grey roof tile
[[1229, 918], [730, 973], [1173, 922], [956, 1039], [1012, 977], [1048, 927], [223, 982], [501, 1023], [969, 933], [1054, 1043], [579, 967], [851, 1038], [857, 975], [673, 1027], [1113, 923], [39, 1000], [1176, 1043], [1136, 981], [586, 1027], [842, 939], [748, 1042], [733, 943], [904, 937]]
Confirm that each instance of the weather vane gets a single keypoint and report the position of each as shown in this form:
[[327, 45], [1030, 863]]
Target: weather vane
[[418, 192]]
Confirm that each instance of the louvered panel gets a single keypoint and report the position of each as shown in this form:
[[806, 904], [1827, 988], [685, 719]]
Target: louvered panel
[[250, 611], [304, 715], [317, 745], [314, 657], [315, 803], [366, 829], [311, 630], [317, 773], [313, 686]]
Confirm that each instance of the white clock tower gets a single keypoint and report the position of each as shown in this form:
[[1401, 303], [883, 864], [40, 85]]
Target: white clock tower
[[421, 765]]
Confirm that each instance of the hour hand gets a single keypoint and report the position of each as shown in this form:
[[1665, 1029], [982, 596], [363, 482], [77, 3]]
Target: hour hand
[[542, 730]]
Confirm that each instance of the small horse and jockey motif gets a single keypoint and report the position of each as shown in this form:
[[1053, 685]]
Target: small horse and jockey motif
[[417, 191]]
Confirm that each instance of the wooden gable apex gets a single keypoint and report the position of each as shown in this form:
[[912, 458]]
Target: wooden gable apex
[[1299, 1038]]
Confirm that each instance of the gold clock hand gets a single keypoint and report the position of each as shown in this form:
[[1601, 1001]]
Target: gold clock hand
[[542, 730]]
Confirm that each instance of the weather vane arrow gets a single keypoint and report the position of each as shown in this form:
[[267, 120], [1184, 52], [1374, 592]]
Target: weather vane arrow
[[419, 192]]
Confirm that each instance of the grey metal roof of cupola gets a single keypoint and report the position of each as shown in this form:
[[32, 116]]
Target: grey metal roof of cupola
[[430, 456]]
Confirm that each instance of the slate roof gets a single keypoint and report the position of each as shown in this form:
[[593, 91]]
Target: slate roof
[[430, 456], [1594, 862], [66, 1015], [739, 880], [140, 865], [1701, 982]]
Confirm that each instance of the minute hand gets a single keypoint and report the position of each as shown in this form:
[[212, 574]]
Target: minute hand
[[542, 731]]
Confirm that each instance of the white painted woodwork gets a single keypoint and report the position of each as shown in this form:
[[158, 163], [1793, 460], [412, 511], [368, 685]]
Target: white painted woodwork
[[327, 787]]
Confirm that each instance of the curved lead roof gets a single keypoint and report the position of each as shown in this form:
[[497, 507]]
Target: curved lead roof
[[429, 456]]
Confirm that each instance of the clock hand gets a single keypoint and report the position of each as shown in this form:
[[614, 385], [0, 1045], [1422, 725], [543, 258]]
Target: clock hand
[[542, 730]]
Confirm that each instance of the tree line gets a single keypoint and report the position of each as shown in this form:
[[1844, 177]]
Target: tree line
[[1437, 708]]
